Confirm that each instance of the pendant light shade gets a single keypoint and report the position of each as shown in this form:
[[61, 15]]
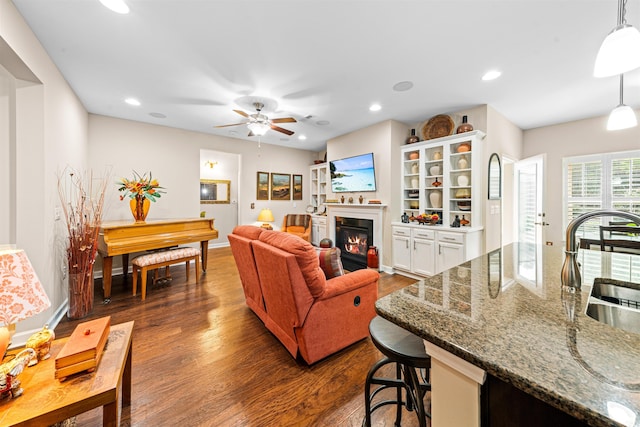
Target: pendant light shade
[[620, 50], [623, 116]]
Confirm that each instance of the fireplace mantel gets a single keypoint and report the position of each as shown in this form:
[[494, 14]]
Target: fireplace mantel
[[362, 211]]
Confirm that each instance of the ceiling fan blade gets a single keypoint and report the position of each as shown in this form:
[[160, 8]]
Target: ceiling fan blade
[[234, 124], [284, 120], [279, 129], [242, 113], [251, 134]]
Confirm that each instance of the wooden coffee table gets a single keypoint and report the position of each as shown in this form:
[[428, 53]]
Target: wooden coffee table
[[47, 401]]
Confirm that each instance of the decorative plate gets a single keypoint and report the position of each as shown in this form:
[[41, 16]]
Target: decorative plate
[[321, 209], [438, 126], [310, 209]]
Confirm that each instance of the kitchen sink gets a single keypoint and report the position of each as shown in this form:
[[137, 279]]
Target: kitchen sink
[[615, 303]]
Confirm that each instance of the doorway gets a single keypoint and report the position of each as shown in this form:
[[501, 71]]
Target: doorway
[[218, 166], [530, 217]]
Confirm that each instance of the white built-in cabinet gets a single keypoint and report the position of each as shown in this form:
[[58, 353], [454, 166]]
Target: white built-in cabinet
[[319, 183], [318, 229], [319, 179], [441, 176]]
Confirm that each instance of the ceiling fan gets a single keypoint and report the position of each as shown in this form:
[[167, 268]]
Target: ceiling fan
[[259, 124]]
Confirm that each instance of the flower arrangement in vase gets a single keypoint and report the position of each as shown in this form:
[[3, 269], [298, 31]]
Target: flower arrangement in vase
[[142, 190], [82, 204]]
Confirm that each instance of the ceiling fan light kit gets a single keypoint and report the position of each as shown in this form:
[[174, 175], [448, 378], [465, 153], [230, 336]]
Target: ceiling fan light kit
[[620, 50]]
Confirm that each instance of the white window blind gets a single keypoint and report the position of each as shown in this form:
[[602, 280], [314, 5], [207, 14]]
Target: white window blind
[[602, 181]]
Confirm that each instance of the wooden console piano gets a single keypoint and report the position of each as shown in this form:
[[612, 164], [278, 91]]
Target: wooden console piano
[[125, 237]]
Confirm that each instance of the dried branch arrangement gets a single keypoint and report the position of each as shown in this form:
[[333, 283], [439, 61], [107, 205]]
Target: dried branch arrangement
[[82, 199]]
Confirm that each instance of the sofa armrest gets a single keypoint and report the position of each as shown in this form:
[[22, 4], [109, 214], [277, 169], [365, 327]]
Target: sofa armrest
[[348, 282]]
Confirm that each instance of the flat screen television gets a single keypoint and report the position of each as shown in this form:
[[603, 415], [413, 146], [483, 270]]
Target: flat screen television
[[353, 174]]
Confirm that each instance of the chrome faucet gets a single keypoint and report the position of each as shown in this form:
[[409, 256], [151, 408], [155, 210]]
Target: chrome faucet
[[570, 274]]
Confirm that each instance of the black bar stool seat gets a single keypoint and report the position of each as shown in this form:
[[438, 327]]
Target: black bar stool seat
[[406, 350]]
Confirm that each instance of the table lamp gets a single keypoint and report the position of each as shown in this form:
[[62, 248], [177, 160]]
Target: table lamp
[[266, 216], [21, 294]]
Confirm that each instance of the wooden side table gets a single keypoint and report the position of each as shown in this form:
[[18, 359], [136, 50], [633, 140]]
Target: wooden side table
[[47, 401]]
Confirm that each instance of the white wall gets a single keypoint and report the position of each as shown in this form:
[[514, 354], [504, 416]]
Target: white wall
[[227, 167], [50, 131], [173, 156], [506, 139], [576, 138]]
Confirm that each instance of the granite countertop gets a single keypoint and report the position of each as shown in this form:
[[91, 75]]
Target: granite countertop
[[505, 313]]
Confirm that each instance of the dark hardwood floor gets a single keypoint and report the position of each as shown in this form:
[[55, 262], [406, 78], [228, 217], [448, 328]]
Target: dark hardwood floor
[[202, 358]]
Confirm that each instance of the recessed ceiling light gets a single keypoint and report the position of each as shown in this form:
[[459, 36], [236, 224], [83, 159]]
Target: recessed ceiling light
[[302, 137], [322, 122], [491, 75], [118, 6], [375, 107], [158, 115], [132, 101], [402, 86]]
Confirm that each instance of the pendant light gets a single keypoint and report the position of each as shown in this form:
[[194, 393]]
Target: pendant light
[[620, 50], [623, 116]]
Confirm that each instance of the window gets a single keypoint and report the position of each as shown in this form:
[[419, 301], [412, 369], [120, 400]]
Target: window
[[601, 181]]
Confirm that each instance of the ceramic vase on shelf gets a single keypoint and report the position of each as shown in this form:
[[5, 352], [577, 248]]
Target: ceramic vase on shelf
[[414, 155], [435, 170], [435, 197], [413, 138], [436, 183], [139, 207], [464, 126], [463, 163], [463, 180], [415, 168], [415, 182], [437, 155], [464, 221]]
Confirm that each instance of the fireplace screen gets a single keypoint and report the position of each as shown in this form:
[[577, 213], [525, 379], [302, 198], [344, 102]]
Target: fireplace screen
[[353, 237], [355, 242]]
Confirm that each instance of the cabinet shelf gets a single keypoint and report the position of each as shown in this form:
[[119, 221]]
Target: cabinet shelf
[[453, 167]]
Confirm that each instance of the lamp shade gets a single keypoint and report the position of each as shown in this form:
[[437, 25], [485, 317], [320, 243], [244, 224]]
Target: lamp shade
[[258, 128], [622, 117], [21, 293], [266, 215], [619, 52]]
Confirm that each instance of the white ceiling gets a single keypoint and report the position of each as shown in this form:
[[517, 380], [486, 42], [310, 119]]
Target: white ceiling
[[330, 59]]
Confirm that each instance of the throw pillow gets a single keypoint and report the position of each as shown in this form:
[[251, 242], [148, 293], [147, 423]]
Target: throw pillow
[[330, 262]]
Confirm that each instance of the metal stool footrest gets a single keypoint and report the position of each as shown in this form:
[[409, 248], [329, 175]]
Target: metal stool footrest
[[406, 379]]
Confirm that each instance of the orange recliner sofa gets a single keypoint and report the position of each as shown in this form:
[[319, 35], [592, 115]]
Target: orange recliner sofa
[[311, 316]]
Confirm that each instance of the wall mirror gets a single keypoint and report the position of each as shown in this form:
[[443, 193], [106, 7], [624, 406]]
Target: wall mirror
[[495, 177], [215, 191]]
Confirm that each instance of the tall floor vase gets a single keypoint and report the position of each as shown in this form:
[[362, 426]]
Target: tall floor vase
[[80, 294]]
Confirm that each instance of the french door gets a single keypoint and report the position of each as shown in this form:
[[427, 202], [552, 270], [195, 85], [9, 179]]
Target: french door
[[530, 213]]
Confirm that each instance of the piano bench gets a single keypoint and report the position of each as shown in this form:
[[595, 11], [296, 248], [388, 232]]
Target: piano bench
[[152, 261]]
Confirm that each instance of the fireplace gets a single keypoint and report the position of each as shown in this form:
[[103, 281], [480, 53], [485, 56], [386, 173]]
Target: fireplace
[[353, 237]]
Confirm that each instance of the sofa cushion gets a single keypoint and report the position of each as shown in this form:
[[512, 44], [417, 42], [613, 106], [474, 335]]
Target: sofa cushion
[[297, 220], [330, 262], [306, 257]]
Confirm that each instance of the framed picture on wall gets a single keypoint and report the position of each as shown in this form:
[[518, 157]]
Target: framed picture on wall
[[280, 186], [262, 184], [297, 187]]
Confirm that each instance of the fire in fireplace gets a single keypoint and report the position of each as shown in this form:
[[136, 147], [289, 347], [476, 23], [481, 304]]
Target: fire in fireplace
[[353, 237]]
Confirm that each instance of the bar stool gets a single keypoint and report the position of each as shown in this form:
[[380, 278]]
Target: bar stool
[[406, 350]]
